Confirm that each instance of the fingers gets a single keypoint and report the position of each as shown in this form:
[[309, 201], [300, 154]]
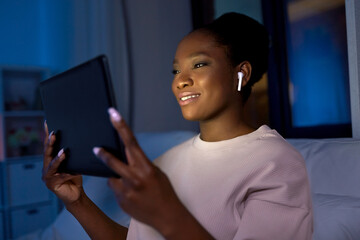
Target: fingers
[[122, 191], [49, 148], [135, 153], [56, 182], [49, 161], [54, 164], [122, 128], [46, 129], [118, 186], [63, 177], [117, 166], [48, 145], [50, 174]]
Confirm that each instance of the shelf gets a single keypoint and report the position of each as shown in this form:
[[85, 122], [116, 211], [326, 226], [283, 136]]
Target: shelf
[[23, 135], [21, 92], [25, 202], [24, 159], [24, 113]]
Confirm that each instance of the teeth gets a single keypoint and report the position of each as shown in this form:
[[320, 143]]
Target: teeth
[[188, 97]]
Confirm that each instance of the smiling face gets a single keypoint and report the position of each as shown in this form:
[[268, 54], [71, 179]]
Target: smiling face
[[205, 82]]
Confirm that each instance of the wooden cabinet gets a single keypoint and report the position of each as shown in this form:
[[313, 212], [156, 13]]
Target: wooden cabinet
[[26, 204]]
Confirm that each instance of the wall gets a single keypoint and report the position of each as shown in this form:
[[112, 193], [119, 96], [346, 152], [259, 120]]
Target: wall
[[33, 32], [155, 30], [61, 34], [353, 36], [252, 8]]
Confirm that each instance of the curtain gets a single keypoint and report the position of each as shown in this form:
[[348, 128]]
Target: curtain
[[100, 28]]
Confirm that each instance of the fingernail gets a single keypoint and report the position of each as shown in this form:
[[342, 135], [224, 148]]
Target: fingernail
[[60, 152], [96, 150], [52, 132], [45, 124], [115, 115]]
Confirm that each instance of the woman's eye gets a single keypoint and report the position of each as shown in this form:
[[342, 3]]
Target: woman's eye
[[198, 65], [174, 71]]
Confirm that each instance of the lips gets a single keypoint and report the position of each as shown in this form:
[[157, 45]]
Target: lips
[[188, 97]]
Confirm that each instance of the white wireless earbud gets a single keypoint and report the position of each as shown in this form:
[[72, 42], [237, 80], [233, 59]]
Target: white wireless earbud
[[240, 77]]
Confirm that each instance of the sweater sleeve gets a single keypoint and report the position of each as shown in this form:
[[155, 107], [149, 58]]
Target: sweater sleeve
[[277, 203], [267, 220]]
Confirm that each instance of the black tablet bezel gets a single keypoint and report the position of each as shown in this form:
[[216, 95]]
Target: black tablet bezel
[[60, 95]]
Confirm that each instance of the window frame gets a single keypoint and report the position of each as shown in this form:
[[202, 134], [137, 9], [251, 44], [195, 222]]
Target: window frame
[[278, 81]]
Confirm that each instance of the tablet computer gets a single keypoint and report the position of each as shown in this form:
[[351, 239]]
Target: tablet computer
[[75, 104]]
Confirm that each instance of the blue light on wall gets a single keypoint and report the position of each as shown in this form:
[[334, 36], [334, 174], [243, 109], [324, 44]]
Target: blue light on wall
[[36, 33]]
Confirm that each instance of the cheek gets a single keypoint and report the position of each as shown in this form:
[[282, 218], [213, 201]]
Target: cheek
[[219, 91], [215, 84]]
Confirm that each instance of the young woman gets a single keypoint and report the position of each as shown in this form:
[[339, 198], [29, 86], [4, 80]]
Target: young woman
[[229, 182]]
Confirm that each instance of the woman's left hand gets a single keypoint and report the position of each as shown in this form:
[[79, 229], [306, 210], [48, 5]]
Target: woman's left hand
[[143, 191]]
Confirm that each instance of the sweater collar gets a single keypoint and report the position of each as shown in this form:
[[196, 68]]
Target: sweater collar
[[229, 143]]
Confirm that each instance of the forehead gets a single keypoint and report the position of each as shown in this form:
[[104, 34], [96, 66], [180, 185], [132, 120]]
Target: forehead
[[197, 43]]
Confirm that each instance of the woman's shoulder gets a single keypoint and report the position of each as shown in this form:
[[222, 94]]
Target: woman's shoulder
[[279, 168], [272, 144], [270, 152]]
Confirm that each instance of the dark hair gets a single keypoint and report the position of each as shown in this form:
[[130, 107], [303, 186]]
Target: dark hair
[[244, 39]]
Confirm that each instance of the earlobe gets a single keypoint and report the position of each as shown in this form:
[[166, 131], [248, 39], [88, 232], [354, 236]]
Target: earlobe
[[240, 77]]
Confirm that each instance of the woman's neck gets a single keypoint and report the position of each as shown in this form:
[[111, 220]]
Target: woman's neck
[[223, 128]]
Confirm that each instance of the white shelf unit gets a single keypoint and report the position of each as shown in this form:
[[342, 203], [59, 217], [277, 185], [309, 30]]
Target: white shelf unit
[[26, 204]]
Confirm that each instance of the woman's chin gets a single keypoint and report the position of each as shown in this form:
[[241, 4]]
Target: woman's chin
[[190, 116]]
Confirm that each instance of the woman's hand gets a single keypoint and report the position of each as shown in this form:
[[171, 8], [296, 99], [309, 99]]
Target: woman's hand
[[143, 191], [67, 187]]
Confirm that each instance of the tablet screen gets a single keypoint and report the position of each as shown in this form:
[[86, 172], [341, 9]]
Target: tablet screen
[[75, 104]]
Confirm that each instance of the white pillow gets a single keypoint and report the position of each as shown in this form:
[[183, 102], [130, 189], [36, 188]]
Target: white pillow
[[333, 165], [336, 217]]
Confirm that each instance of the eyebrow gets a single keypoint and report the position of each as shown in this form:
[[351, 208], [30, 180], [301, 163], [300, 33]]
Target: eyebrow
[[195, 54]]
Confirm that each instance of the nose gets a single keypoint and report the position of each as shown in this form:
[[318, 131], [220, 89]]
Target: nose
[[183, 81]]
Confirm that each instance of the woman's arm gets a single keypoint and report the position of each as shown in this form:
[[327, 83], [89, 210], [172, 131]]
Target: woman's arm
[[184, 226], [68, 188], [94, 221]]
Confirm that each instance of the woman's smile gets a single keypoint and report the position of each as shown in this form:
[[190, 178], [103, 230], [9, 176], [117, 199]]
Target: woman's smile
[[188, 97]]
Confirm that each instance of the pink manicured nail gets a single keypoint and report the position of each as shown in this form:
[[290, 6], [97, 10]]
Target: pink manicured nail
[[52, 132], [60, 152], [115, 115], [96, 150]]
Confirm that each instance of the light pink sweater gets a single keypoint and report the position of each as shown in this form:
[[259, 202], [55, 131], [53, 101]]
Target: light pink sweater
[[251, 187]]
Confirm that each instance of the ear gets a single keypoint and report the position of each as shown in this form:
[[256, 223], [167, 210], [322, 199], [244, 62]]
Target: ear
[[245, 68]]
